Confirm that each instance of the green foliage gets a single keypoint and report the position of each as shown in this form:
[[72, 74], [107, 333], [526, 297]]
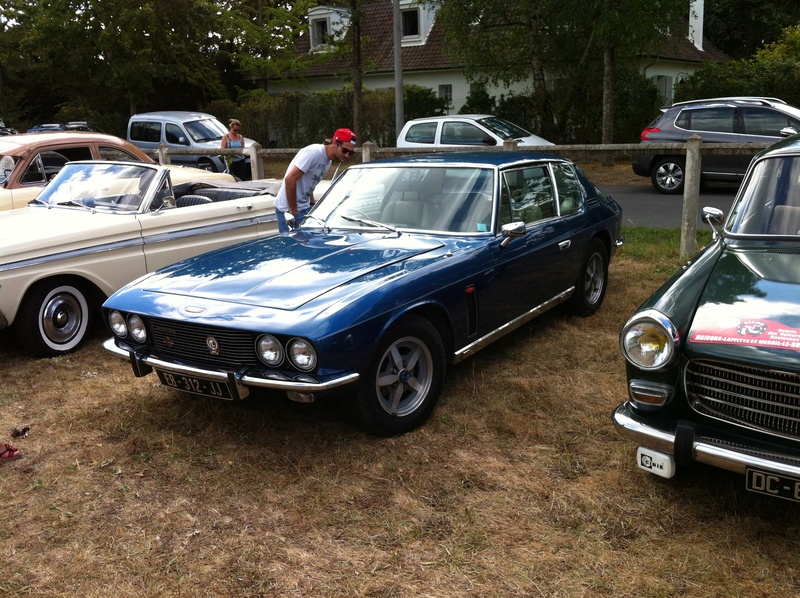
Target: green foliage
[[741, 27], [479, 102], [422, 101]]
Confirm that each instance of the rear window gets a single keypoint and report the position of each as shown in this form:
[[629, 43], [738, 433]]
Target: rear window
[[421, 133], [148, 131]]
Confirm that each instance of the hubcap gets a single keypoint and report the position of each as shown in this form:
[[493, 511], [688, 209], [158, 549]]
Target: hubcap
[[404, 376], [61, 318]]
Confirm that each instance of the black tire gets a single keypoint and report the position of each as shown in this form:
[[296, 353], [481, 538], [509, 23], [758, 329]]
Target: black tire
[[206, 164], [54, 318], [668, 175], [399, 390], [592, 281]]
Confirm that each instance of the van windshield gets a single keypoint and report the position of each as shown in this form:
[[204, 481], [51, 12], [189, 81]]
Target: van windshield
[[208, 129]]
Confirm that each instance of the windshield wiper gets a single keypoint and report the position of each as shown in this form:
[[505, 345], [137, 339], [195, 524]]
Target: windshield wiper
[[369, 222]]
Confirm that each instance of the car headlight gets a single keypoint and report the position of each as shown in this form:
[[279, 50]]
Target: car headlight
[[137, 329], [302, 354], [649, 340], [116, 322], [269, 350]]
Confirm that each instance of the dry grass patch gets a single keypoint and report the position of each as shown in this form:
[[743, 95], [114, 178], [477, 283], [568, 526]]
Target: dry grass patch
[[518, 486]]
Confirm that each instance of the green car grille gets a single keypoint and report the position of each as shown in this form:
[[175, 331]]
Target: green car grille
[[762, 399]]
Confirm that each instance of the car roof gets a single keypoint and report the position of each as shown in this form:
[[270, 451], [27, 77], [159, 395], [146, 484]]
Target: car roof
[[499, 159], [733, 100], [24, 142], [175, 114], [452, 117]]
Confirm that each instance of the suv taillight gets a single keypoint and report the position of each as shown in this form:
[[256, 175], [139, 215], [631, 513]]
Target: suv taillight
[[647, 132]]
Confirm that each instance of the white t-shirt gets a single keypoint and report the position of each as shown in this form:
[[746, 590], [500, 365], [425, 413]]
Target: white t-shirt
[[313, 161]]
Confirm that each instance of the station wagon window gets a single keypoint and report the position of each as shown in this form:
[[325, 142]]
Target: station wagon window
[[716, 120], [146, 131], [421, 133], [570, 192], [527, 195], [458, 133], [760, 121], [115, 153]]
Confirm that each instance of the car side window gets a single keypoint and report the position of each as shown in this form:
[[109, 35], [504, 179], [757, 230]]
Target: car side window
[[421, 133], [529, 192], [174, 134], [715, 120], [46, 165], [570, 190], [149, 131], [761, 121], [115, 153], [458, 133]]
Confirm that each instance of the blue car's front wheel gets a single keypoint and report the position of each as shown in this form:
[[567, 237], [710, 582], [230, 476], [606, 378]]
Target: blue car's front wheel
[[402, 385]]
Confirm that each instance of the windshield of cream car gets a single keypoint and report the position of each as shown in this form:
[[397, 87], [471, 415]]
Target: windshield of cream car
[[449, 199], [112, 186]]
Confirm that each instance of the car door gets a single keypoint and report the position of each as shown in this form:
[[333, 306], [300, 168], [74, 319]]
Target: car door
[[40, 167], [535, 269], [172, 234], [716, 124], [763, 125]]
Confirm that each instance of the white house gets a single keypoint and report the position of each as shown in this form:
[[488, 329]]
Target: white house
[[425, 62]]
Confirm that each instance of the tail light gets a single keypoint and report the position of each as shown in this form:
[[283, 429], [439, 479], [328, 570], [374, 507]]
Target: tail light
[[649, 131]]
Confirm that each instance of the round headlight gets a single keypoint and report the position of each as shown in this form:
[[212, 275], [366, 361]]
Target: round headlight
[[117, 323], [302, 354], [648, 340], [269, 350], [137, 329]]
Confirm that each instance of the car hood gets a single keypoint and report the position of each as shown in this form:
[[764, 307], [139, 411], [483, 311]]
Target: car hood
[[287, 272], [533, 140], [34, 232], [750, 308]]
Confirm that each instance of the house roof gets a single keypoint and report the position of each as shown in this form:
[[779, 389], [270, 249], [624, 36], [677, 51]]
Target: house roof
[[379, 51]]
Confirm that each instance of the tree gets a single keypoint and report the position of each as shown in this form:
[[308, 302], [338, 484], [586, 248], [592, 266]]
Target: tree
[[742, 27], [565, 48]]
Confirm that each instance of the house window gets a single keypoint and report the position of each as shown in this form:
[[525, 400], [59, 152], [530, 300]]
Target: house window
[[446, 93], [319, 32], [410, 20]]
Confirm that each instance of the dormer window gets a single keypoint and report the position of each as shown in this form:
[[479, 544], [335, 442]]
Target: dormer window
[[327, 25], [416, 21]]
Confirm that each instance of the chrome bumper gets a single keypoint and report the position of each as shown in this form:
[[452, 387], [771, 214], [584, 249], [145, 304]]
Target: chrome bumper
[[703, 450], [143, 363]]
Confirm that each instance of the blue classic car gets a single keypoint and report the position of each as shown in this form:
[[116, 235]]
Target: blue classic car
[[405, 265], [713, 357]]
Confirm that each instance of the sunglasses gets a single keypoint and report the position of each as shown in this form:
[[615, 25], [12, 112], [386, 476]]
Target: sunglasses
[[345, 150]]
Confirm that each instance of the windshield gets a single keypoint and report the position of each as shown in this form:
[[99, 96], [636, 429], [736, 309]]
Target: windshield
[[448, 199], [769, 202], [116, 187], [208, 129], [502, 128]]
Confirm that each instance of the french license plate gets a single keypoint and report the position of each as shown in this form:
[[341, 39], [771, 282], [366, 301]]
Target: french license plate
[[780, 486], [193, 384]]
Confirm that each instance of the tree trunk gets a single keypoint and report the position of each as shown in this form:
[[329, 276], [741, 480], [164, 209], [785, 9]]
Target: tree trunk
[[609, 80]]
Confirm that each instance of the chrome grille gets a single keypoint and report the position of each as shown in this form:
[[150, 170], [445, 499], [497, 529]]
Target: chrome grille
[[191, 342], [758, 398]]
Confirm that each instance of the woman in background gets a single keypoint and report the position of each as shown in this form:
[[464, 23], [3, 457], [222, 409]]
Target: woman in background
[[234, 139]]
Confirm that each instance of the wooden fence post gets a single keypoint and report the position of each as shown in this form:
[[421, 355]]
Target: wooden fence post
[[256, 163], [691, 197]]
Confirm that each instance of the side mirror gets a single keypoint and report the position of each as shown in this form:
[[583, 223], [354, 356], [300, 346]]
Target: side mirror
[[183, 141], [512, 230], [788, 132], [712, 216]]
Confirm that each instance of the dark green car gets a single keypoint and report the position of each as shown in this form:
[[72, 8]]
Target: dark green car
[[713, 357]]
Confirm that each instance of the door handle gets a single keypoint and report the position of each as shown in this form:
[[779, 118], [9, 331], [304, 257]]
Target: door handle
[[564, 245]]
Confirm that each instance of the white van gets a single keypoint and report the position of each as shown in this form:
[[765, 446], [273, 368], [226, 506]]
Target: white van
[[179, 129]]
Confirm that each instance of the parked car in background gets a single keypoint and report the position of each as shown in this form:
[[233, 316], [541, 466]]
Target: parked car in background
[[29, 161], [75, 125], [184, 130], [99, 225], [405, 266], [737, 119], [464, 129], [713, 357]]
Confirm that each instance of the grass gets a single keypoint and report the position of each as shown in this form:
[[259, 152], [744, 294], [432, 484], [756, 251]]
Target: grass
[[517, 486]]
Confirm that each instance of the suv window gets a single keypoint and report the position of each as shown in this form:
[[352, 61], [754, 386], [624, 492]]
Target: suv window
[[146, 131], [717, 120], [762, 121], [421, 133]]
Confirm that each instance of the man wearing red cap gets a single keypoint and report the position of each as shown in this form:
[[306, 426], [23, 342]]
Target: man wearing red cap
[[311, 163]]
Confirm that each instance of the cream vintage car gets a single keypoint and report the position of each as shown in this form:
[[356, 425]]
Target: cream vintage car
[[101, 224], [29, 161]]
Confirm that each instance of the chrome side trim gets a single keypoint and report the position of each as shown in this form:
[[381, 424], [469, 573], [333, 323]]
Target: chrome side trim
[[489, 338], [257, 382], [704, 452]]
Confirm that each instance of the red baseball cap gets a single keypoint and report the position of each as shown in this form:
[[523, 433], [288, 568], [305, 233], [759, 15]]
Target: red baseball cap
[[344, 135]]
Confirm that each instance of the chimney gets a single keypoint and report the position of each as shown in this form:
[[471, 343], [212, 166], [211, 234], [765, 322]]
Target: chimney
[[696, 23]]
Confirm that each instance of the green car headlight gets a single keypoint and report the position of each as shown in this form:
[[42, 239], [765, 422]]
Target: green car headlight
[[649, 339]]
